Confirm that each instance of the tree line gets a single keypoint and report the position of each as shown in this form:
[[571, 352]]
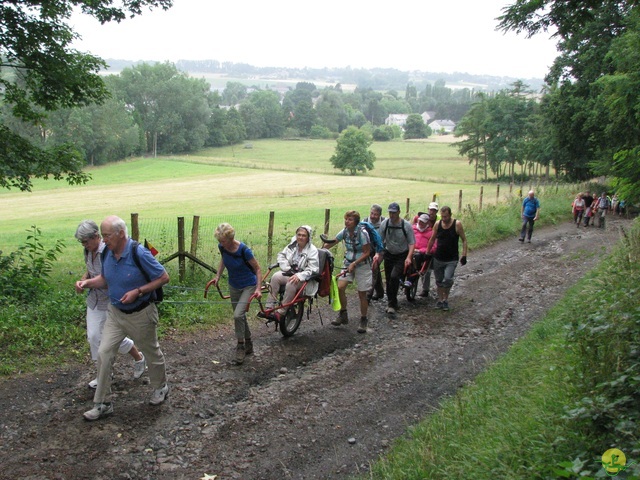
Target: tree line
[[58, 113], [157, 109], [587, 122]]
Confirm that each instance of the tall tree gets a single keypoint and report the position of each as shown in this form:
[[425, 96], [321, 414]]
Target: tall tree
[[267, 103], [415, 127], [585, 31], [40, 72], [173, 109], [473, 127], [352, 151]]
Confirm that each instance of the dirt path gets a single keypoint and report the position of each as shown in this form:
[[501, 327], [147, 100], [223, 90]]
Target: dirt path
[[322, 404]]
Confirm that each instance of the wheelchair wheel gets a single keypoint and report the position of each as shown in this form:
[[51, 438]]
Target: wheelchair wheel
[[291, 320], [411, 291]]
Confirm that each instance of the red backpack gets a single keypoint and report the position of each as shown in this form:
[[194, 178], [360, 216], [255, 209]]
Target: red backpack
[[326, 270]]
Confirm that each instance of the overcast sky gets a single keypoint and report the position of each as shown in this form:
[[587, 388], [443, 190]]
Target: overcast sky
[[427, 35]]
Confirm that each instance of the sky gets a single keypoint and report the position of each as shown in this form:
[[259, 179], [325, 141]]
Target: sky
[[427, 35]]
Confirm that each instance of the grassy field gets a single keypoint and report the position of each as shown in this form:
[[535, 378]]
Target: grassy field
[[286, 177]]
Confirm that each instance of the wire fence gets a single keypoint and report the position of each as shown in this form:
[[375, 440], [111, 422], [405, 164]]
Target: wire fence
[[267, 233]]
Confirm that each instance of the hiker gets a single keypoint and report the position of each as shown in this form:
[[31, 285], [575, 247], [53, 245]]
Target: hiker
[[97, 300], [432, 211], [298, 262], [244, 284], [132, 278], [588, 213], [577, 209], [447, 232], [399, 243], [529, 214], [603, 205], [376, 292], [356, 266], [423, 230]]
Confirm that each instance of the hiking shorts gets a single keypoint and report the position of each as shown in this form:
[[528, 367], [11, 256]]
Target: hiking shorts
[[362, 275], [443, 271]]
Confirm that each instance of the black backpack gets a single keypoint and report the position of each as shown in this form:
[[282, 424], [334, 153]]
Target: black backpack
[[158, 294]]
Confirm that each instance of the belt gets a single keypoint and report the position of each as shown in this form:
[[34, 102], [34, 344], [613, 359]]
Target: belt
[[140, 307]]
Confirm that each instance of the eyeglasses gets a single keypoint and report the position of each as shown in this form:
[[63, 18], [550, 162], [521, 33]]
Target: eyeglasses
[[108, 235]]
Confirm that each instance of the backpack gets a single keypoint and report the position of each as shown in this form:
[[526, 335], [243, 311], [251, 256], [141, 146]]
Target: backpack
[[158, 294], [387, 227], [243, 254], [374, 237], [325, 259]]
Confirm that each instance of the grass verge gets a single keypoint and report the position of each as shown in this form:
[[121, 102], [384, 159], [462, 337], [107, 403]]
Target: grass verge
[[549, 408]]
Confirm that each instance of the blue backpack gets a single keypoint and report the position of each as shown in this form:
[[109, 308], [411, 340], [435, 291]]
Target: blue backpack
[[374, 237]]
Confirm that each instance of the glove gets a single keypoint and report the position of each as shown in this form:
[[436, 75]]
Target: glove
[[324, 238], [463, 260]]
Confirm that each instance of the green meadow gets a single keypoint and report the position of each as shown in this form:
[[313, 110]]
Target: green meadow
[[294, 178]]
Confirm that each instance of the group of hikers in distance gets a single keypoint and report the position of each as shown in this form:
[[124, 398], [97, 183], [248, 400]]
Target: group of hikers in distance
[[587, 209], [124, 278]]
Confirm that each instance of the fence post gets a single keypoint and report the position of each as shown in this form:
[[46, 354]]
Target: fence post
[[181, 269], [406, 214], [270, 237], [433, 198], [327, 220], [510, 188], [481, 195], [194, 239], [135, 227], [498, 194], [460, 202]]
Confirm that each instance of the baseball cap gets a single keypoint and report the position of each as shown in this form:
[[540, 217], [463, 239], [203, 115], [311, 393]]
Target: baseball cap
[[394, 207], [433, 206], [423, 218]]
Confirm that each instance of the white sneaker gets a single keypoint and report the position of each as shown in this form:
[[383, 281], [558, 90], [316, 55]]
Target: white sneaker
[[139, 367], [93, 383], [99, 410], [159, 395]]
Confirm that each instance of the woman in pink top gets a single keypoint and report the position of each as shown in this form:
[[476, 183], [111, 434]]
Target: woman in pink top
[[423, 230]]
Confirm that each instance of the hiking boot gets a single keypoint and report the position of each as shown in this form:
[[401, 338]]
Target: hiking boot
[[343, 319], [424, 294], [240, 354], [159, 395], [248, 346], [99, 410], [139, 367], [521, 239], [93, 383], [445, 306], [363, 325], [391, 310], [439, 304]]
